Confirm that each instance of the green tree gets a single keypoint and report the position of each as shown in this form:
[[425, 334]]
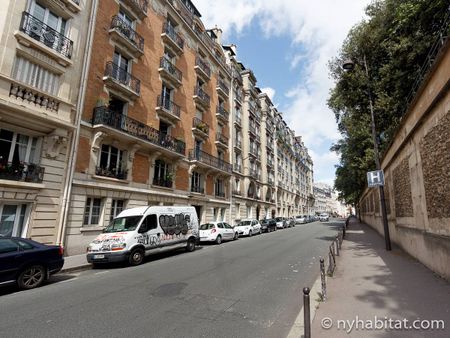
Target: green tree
[[395, 39]]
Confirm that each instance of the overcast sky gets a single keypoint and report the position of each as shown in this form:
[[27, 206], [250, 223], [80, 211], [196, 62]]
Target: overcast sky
[[288, 43]]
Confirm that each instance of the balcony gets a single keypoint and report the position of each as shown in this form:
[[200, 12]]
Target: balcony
[[238, 97], [220, 194], [135, 129], [222, 88], [237, 120], [222, 114], [270, 162], [200, 128], [209, 160], [237, 192], [33, 97], [221, 141], [126, 36], [120, 80], [270, 181], [270, 144], [73, 5], [23, 172], [35, 32], [198, 189], [202, 68], [238, 144], [167, 110], [253, 151], [201, 98], [252, 108], [169, 72], [162, 182], [172, 39], [138, 6], [237, 167], [117, 173]]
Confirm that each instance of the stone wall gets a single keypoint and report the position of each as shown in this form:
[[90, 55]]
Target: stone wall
[[417, 175]]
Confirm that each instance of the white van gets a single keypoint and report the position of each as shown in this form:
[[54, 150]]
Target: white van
[[137, 232]]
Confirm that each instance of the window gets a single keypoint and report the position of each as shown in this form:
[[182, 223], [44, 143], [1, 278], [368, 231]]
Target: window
[[117, 207], [13, 220], [220, 190], [166, 95], [196, 182], [126, 18], [121, 68], [111, 161], [117, 105], [49, 18], [92, 211], [36, 76], [25, 245], [162, 170], [18, 148], [8, 245]]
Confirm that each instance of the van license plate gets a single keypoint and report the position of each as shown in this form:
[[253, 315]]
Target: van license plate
[[99, 256]]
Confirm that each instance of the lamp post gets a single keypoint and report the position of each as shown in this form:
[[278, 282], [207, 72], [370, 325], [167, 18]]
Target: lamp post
[[349, 65]]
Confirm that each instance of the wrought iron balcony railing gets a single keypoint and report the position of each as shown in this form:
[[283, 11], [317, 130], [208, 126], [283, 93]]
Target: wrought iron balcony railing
[[198, 189], [202, 95], [170, 68], [121, 75], [162, 182], [203, 65], [118, 173], [238, 143], [236, 192], [168, 105], [170, 31], [220, 194], [204, 157], [221, 84], [237, 167], [222, 112], [21, 171], [141, 5], [126, 30], [39, 31], [238, 119], [200, 125], [221, 138], [102, 115]]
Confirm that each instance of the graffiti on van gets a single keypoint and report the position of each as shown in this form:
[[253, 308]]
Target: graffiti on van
[[177, 225], [147, 239]]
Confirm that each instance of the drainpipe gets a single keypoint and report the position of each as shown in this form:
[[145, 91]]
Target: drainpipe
[[74, 144]]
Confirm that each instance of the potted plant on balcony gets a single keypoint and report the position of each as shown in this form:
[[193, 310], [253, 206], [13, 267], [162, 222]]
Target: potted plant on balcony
[[103, 100], [202, 127], [169, 178]]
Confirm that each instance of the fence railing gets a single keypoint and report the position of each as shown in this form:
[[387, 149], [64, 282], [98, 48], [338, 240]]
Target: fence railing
[[21, 171], [126, 30], [204, 157], [122, 76]]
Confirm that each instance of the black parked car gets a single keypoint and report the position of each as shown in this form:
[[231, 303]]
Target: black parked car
[[28, 263], [268, 225]]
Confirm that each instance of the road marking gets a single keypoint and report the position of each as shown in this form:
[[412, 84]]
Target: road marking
[[101, 272], [67, 280]]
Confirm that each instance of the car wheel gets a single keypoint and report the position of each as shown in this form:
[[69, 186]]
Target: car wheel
[[190, 245], [219, 239], [250, 233], [31, 277], [236, 235], [136, 256]]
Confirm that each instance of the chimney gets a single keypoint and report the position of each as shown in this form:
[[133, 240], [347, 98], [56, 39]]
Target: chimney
[[233, 47], [218, 33]]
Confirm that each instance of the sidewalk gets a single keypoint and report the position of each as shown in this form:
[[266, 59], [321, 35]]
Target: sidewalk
[[75, 262], [370, 281]]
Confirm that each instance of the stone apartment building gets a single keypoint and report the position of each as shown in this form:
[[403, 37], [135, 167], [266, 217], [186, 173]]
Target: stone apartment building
[[107, 105], [42, 51], [154, 127]]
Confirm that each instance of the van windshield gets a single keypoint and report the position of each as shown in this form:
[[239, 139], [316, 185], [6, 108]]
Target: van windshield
[[128, 223]]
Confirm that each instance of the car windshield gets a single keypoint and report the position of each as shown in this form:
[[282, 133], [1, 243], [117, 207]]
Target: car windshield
[[279, 219], [128, 223], [244, 223], [206, 226]]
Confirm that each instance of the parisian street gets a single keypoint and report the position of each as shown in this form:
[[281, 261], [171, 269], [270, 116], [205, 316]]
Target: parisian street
[[246, 288]]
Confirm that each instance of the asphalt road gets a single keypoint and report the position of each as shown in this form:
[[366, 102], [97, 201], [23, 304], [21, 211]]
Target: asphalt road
[[247, 288]]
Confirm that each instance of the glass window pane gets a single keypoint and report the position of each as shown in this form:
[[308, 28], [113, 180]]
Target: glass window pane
[[7, 220], [7, 245]]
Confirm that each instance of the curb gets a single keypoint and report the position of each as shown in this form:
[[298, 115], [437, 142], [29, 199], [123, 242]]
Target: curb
[[76, 268], [297, 329]]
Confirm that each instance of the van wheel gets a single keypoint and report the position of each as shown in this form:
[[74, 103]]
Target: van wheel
[[136, 256], [219, 239], [31, 277], [190, 246]]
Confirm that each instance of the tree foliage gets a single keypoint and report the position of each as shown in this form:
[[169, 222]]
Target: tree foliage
[[395, 40]]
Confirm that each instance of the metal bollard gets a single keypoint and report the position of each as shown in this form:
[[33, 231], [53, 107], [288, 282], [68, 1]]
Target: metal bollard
[[322, 277], [337, 245], [306, 313]]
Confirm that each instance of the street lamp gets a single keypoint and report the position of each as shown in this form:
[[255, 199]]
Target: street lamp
[[349, 65]]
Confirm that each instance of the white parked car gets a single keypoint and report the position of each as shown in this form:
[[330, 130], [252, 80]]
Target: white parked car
[[248, 227], [300, 219], [217, 232], [324, 217], [281, 222]]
